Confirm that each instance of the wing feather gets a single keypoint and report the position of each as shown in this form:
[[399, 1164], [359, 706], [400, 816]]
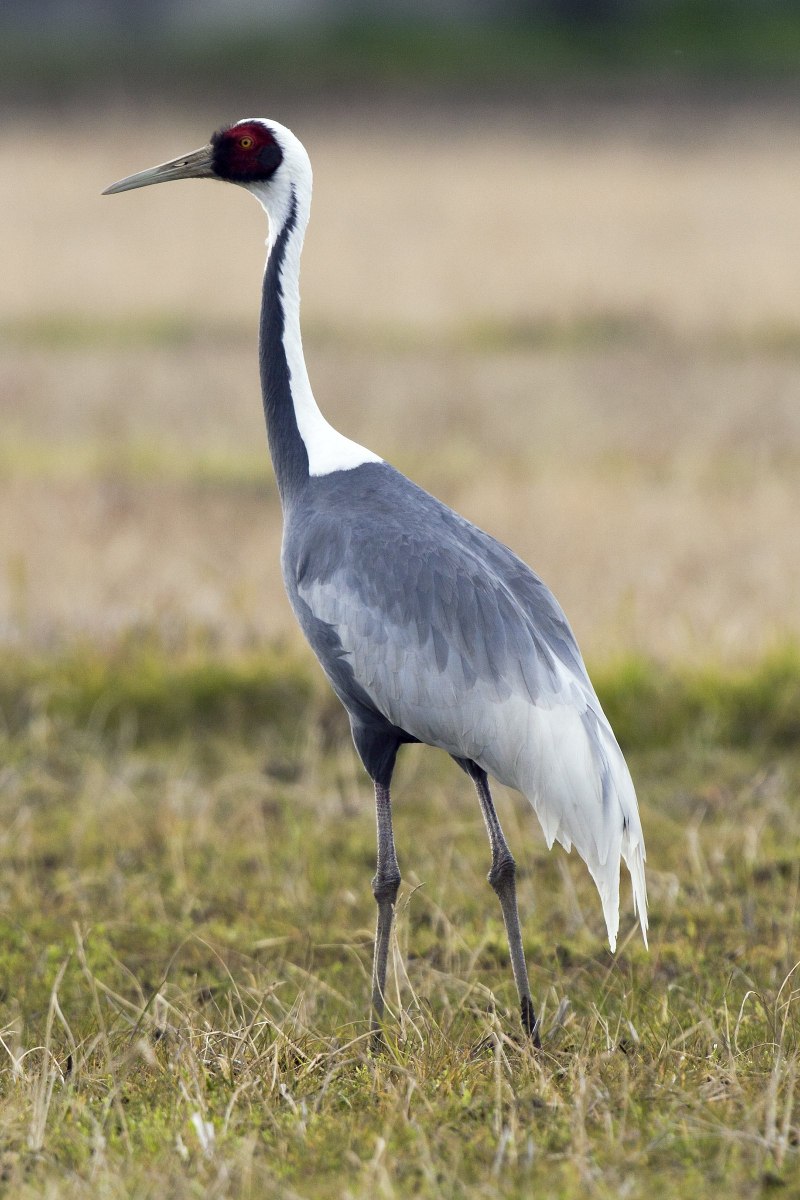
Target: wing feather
[[457, 642]]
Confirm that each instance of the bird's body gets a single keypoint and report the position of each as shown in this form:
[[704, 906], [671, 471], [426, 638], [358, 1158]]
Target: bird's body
[[428, 629]]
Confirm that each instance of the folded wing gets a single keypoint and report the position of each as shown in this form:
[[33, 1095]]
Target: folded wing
[[457, 642]]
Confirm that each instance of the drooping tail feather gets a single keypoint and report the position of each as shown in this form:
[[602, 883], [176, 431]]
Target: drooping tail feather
[[579, 784]]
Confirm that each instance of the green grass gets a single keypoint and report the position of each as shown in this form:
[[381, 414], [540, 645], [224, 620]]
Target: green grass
[[185, 941], [168, 690], [689, 40], [595, 327]]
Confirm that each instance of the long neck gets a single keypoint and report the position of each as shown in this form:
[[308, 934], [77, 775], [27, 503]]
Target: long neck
[[301, 441], [283, 369]]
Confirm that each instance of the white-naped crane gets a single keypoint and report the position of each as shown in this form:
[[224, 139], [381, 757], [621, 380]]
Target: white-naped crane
[[428, 629]]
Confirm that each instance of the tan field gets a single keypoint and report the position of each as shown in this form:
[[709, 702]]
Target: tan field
[[584, 336]]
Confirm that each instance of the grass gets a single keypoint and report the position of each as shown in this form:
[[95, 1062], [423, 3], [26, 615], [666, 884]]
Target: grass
[[699, 40], [134, 464], [186, 938], [55, 332], [188, 684]]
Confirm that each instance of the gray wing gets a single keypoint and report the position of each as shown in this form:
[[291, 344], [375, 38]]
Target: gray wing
[[456, 641]]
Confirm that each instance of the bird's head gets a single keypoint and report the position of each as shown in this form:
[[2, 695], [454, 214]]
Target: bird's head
[[260, 155]]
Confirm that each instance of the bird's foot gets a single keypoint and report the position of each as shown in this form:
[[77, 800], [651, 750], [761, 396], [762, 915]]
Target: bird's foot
[[529, 1022]]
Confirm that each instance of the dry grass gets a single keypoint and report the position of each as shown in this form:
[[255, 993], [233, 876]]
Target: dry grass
[[655, 489], [423, 220], [581, 336]]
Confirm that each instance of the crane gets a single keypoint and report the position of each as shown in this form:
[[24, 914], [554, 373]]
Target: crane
[[428, 629]]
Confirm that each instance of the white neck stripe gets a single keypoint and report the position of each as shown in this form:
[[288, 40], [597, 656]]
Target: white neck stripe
[[327, 449]]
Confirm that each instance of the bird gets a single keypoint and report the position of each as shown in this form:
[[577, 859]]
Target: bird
[[428, 629]]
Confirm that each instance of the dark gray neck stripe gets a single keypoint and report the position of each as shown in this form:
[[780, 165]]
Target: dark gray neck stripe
[[287, 448]]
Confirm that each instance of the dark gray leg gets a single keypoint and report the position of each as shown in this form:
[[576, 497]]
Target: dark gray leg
[[502, 878], [384, 888]]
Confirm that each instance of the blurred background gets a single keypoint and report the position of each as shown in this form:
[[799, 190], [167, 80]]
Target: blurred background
[[552, 273]]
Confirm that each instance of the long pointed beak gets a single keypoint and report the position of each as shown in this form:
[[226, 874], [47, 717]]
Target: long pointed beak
[[197, 165]]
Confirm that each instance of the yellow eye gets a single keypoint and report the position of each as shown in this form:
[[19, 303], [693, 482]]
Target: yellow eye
[[246, 143]]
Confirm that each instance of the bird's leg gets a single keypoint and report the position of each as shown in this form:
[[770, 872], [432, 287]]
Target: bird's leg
[[502, 877], [384, 888]]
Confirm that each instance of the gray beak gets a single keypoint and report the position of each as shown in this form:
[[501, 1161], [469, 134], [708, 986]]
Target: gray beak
[[197, 165]]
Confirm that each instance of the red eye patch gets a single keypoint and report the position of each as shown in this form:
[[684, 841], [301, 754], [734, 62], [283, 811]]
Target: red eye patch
[[246, 153]]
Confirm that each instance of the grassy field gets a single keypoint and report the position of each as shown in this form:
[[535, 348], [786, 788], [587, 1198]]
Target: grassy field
[[186, 937], [584, 334], [592, 351], [367, 52]]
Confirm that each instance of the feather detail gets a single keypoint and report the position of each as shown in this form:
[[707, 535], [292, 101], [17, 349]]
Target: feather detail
[[474, 656]]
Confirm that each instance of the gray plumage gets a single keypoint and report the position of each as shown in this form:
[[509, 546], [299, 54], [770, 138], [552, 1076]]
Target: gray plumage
[[428, 629], [425, 623]]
